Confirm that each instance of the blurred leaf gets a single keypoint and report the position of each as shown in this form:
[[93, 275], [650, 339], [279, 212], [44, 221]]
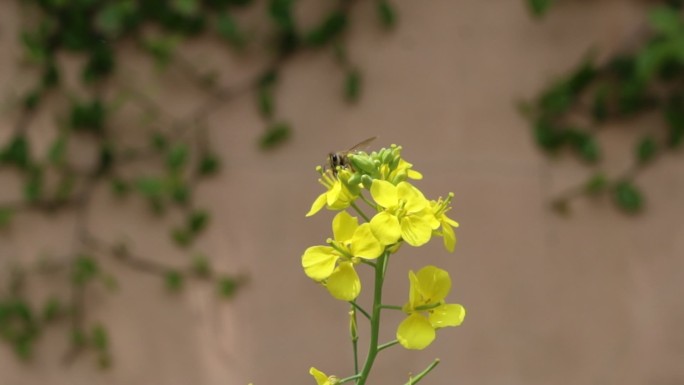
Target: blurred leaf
[[65, 187], [386, 13], [665, 20], [17, 152], [209, 164], [161, 49], [275, 135], [281, 14], [106, 160], [539, 7], [177, 157], [182, 237], [547, 136], [120, 187], [78, 338], [99, 338], [33, 187], [197, 221], [115, 18], [628, 197], [674, 114], [83, 270], [88, 116], [352, 88], [200, 265], [333, 25], [227, 286], [159, 141], [6, 214], [266, 104], [185, 7], [32, 100], [596, 183], [174, 280], [150, 186], [50, 75], [99, 65], [57, 151], [53, 309], [599, 108], [180, 193], [228, 29], [646, 150]]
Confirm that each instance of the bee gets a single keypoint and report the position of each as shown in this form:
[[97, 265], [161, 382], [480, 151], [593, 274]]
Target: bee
[[340, 159]]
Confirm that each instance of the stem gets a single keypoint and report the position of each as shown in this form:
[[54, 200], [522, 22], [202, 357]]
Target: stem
[[414, 380], [393, 307], [359, 308], [369, 203], [375, 318], [354, 339], [347, 379], [358, 210], [387, 345]]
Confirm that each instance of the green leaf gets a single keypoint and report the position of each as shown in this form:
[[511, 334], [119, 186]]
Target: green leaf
[[265, 102], [57, 151], [333, 25], [646, 150], [161, 49], [280, 12], [386, 13], [17, 152], [180, 193], [182, 237], [88, 116], [114, 18], [352, 88], [596, 183], [197, 221], [185, 7], [547, 136], [628, 197], [150, 186], [33, 187], [120, 187], [227, 28], [539, 7], [209, 164], [177, 157], [99, 65], [200, 265], [83, 270], [99, 338], [275, 135], [6, 214], [52, 309], [174, 280], [674, 115], [665, 20], [227, 286]]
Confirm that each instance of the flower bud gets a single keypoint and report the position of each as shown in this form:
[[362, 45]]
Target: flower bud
[[363, 163], [366, 181]]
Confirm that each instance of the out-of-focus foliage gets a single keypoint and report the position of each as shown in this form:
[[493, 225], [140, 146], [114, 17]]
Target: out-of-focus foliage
[[100, 36], [568, 114]]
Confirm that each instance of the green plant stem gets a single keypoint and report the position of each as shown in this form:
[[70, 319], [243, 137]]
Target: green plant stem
[[359, 308], [414, 380], [380, 269], [347, 379], [361, 213], [387, 345], [393, 307], [369, 203], [355, 340]]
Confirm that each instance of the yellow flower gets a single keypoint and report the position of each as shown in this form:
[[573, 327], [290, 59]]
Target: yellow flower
[[337, 196], [321, 378], [428, 289], [439, 209], [334, 265], [405, 214]]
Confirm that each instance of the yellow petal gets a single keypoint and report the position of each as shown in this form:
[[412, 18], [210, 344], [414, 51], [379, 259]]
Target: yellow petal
[[364, 244], [449, 237], [384, 193], [333, 195], [344, 284], [386, 228], [318, 204], [413, 174], [320, 377], [344, 226], [447, 315], [415, 332], [319, 262], [415, 200], [433, 283], [415, 230]]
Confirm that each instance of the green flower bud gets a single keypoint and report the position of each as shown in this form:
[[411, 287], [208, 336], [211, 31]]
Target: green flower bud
[[363, 163], [366, 181]]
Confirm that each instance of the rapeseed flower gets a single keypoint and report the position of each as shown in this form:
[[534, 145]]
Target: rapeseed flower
[[337, 196], [333, 265], [428, 289], [322, 378], [405, 214], [439, 208]]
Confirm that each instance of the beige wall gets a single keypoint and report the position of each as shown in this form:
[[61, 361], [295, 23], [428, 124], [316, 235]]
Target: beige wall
[[593, 299]]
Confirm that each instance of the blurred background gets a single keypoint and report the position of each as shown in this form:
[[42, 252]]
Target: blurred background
[[158, 159]]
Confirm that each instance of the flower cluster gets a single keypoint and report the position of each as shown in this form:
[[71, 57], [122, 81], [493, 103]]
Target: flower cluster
[[401, 213]]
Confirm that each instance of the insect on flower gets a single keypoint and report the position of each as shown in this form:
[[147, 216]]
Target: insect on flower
[[340, 159]]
